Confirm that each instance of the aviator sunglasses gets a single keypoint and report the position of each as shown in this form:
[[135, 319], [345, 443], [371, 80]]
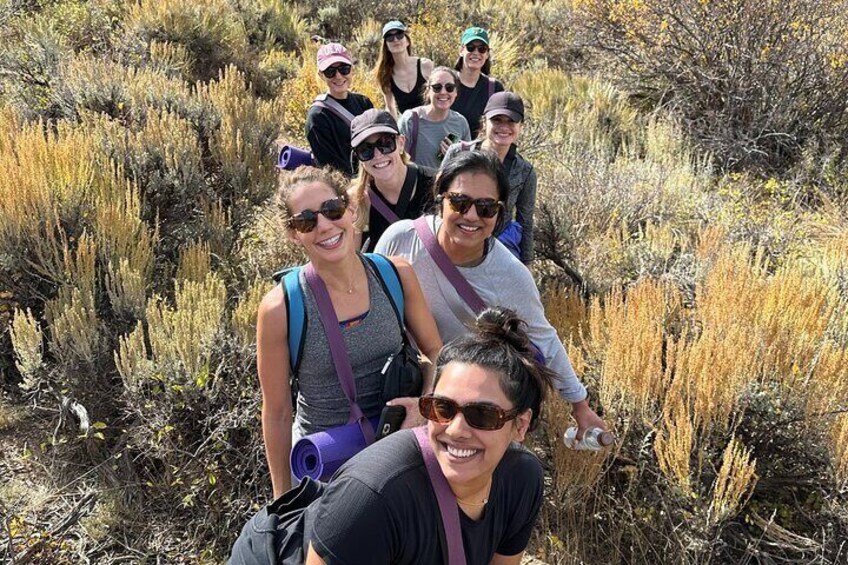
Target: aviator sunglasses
[[480, 47], [306, 221], [437, 87], [461, 203], [330, 72], [479, 415], [365, 150]]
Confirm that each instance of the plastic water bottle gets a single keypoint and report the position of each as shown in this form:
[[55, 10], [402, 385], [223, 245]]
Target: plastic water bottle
[[594, 439]]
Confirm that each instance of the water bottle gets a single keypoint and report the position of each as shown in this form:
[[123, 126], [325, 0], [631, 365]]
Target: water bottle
[[593, 440]]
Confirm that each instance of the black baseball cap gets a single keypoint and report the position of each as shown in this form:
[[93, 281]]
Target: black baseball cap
[[505, 104], [370, 122]]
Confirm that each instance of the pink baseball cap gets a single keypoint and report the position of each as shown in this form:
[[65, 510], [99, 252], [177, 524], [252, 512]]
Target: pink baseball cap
[[332, 53]]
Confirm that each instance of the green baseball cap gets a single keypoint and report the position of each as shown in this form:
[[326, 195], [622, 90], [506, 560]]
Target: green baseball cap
[[475, 33]]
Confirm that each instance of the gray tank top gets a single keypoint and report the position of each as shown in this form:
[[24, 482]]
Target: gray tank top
[[321, 403]]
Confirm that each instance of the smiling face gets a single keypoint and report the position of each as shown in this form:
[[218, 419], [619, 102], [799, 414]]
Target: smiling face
[[473, 59], [465, 234], [397, 41], [384, 167], [330, 240], [468, 456], [502, 131], [442, 100], [339, 85]]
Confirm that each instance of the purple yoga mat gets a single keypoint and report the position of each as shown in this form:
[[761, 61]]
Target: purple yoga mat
[[292, 157], [319, 455]]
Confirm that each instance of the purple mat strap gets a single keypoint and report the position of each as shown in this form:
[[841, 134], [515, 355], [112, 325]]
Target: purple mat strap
[[462, 286], [445, 497], [338, 351], [381, 207]]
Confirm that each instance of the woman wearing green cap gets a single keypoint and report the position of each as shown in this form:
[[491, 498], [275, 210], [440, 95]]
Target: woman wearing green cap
[[475, 84], [401, 76]]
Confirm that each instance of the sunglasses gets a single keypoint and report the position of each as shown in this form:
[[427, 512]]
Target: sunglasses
[[479, 47], [486, 207], [394, 36], [365, 150], [330, 72], [478, 415], [437, 87], [306, 221]]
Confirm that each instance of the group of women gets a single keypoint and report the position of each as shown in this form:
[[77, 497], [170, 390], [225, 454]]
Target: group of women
[[462, 287]]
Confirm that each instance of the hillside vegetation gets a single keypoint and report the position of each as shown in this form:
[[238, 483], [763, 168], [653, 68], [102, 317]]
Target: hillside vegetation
[[692, 233]]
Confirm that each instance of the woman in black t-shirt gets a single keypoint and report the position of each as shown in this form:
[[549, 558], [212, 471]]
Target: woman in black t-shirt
[[386, 176], [328, 119], [400, 75], [380, 507], [475, 85]]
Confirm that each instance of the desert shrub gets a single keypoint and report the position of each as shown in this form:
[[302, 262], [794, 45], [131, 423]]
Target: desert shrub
[[211, 32], [755, 81], [720, 405]]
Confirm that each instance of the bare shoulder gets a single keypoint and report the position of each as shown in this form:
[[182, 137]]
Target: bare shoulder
[[426, 66], [272, 308]]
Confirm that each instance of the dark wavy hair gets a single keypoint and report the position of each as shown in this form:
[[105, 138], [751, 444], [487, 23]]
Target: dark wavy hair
[[475, 161], [499, 342]]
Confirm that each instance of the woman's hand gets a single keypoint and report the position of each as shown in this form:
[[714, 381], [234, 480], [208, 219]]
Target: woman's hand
[[413, 417], [586, 418], [445, 144]]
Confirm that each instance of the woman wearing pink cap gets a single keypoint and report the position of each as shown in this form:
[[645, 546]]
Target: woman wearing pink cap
[[329, 117], [401, 76]]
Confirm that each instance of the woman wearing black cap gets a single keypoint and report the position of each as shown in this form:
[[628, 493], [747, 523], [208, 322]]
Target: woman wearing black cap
[[388, 187], [475, 85], [504, 116], [400, 75]]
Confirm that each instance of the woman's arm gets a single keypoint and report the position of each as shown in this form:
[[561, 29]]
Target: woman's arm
[[426, 68], [423, 328], [272, 359], [524, 208]]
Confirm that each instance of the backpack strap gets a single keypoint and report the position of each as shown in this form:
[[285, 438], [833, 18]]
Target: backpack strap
[[445, 497], [491, 86], [390, 279], [295, 314], [329, 103]]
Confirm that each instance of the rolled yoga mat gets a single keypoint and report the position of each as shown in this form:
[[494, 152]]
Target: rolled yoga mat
[[292, 157], [319, 455]]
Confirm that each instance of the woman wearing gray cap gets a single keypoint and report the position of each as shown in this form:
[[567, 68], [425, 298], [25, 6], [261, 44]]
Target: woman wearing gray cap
[[388, 187], [400, 75], [504, 116], [475, 85]]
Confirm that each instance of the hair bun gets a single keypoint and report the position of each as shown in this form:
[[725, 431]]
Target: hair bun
[[504, 325]]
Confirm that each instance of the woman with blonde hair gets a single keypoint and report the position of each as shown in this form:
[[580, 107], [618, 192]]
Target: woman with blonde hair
[[400, 75], [370, 322], [388, 187]]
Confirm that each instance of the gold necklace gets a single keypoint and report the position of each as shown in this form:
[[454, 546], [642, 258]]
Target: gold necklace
[[485, 500]]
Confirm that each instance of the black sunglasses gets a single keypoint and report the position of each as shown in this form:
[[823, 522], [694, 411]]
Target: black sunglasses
[[386, 144], [437, 87], [479, 415], [306, 221], [394, 35], [481, 47], [330, 72], [461, 203]]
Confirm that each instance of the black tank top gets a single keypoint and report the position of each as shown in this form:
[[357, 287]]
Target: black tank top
[[409, 100]]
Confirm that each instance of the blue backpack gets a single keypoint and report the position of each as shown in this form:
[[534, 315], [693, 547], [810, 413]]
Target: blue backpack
[[293, 295]]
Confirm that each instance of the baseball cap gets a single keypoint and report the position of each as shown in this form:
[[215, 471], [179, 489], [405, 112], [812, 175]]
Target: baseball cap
[[332, 53], [473, 33], [505, 104], [393, 25], [370, 122]]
